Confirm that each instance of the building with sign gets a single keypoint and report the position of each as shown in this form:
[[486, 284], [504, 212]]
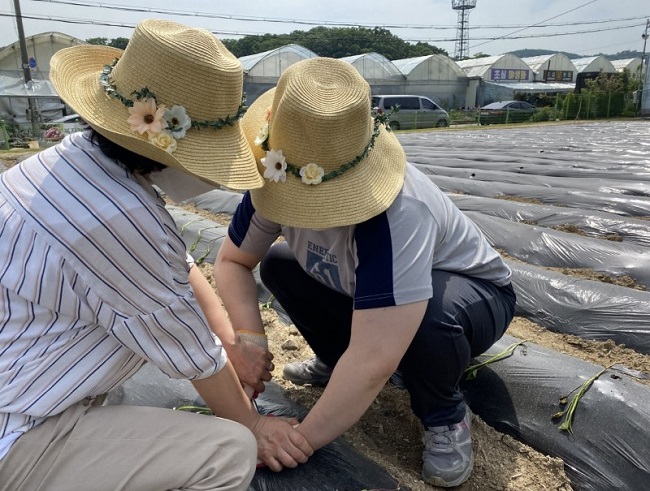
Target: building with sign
[[501, 68], [556, 68], [508, 77], [590, 68]]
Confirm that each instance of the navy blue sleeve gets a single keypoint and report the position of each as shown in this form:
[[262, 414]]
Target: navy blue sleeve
[[241, 220], [374, 272]]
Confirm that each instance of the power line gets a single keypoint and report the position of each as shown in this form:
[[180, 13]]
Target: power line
[[105, 23], [508, 36], [251, 18]]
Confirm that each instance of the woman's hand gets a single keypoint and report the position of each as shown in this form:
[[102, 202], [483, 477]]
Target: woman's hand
[[252, 363], [279, 444]]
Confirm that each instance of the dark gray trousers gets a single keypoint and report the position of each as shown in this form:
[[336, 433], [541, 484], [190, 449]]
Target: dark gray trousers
[[463, 319]]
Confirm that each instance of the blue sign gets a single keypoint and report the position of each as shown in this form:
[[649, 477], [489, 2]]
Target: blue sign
[[509, 75]]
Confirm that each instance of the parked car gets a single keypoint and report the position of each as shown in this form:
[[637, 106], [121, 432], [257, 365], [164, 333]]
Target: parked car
[[69, 124], [70, 118], [414, 111], [505, 112]]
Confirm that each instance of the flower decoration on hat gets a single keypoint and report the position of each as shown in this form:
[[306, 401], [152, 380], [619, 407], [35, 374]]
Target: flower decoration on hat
[[147, 117], [277, 166], [162, 126], [178, 121], [312, 174]]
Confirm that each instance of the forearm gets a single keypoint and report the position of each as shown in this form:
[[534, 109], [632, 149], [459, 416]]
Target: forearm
[[238, 290], [211, 306], [378, 341], [351, 390], [224, 395]]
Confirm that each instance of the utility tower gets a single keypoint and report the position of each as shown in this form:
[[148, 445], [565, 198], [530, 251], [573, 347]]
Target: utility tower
[[462, 33]]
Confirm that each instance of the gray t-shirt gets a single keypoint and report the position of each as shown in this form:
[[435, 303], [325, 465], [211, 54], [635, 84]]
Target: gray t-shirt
[[388, 259]]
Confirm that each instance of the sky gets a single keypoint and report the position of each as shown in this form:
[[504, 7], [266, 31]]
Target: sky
[[584, 27]]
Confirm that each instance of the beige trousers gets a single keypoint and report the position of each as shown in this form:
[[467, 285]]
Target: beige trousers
[[124, 448]]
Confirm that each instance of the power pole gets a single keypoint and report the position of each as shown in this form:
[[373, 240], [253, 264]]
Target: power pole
[[644, 63], [27, 74], [645, 40]]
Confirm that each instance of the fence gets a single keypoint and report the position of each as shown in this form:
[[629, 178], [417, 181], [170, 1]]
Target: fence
[[571, 106]]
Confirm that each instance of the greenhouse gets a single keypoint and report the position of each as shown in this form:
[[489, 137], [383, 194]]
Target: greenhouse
[[437, 77], [552, 68], [494, 78], [632, 65], [15, 94], [262, 70], [501, 68], [375, 67], [591, 67], [593, 64]]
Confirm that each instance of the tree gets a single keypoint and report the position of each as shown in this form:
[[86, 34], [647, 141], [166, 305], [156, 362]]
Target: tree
[[119, 43], [98, 41], [335, 42]]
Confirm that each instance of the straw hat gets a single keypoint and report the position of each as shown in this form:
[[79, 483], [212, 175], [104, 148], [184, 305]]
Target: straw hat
[[327, 162], [189, 72]]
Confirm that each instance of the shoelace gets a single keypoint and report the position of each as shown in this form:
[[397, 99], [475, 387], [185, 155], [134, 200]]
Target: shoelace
[[439, 435]]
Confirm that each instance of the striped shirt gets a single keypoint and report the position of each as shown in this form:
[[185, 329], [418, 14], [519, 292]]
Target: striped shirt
[[93, 283]]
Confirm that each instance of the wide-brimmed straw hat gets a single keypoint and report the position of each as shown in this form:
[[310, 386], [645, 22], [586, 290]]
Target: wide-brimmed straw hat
[[327, 162], [189, 72]]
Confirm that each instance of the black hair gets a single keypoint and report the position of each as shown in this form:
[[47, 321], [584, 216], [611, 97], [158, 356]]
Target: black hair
[[131, 160]]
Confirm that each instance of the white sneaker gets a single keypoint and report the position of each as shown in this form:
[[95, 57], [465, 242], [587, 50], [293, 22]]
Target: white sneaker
[[448, 458]]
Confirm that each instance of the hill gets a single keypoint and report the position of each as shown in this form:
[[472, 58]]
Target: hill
[[621, 55]]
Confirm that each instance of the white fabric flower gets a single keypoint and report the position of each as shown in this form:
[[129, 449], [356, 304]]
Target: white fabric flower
[[276, 166], [178, 121], [312, 174], [262, 135], [164, 140]]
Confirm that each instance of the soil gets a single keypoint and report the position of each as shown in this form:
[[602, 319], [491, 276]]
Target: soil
[[390, 435]]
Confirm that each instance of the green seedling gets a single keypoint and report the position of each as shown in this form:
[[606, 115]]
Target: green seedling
[[471, 370], [195, 409], [569, 411], [268, 304]]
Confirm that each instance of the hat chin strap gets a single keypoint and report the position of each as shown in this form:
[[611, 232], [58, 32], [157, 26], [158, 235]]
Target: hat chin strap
[[179, 185]]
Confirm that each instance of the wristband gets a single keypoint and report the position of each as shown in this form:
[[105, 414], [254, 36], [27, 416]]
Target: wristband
[[254, 337]]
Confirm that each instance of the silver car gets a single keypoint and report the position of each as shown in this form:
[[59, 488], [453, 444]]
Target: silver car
[[414, 111]]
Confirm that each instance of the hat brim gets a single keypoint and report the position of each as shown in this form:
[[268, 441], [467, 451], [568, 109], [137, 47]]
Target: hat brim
[[220, 156], [359, 194]]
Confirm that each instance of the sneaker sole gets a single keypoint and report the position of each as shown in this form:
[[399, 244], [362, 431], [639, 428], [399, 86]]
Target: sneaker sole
[[438, 481]]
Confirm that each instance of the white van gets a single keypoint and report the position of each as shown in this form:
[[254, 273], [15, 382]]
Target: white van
[[414, 111]]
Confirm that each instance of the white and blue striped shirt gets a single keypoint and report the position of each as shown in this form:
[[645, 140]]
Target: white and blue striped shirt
[[93, 282]]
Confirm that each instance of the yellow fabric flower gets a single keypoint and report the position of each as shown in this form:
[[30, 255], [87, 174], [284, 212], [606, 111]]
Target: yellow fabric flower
[[262, 135], [312, 174], [147, 117], [164, 140]]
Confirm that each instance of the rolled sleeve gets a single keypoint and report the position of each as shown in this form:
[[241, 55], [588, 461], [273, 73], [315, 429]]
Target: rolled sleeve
[[175, 338]]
